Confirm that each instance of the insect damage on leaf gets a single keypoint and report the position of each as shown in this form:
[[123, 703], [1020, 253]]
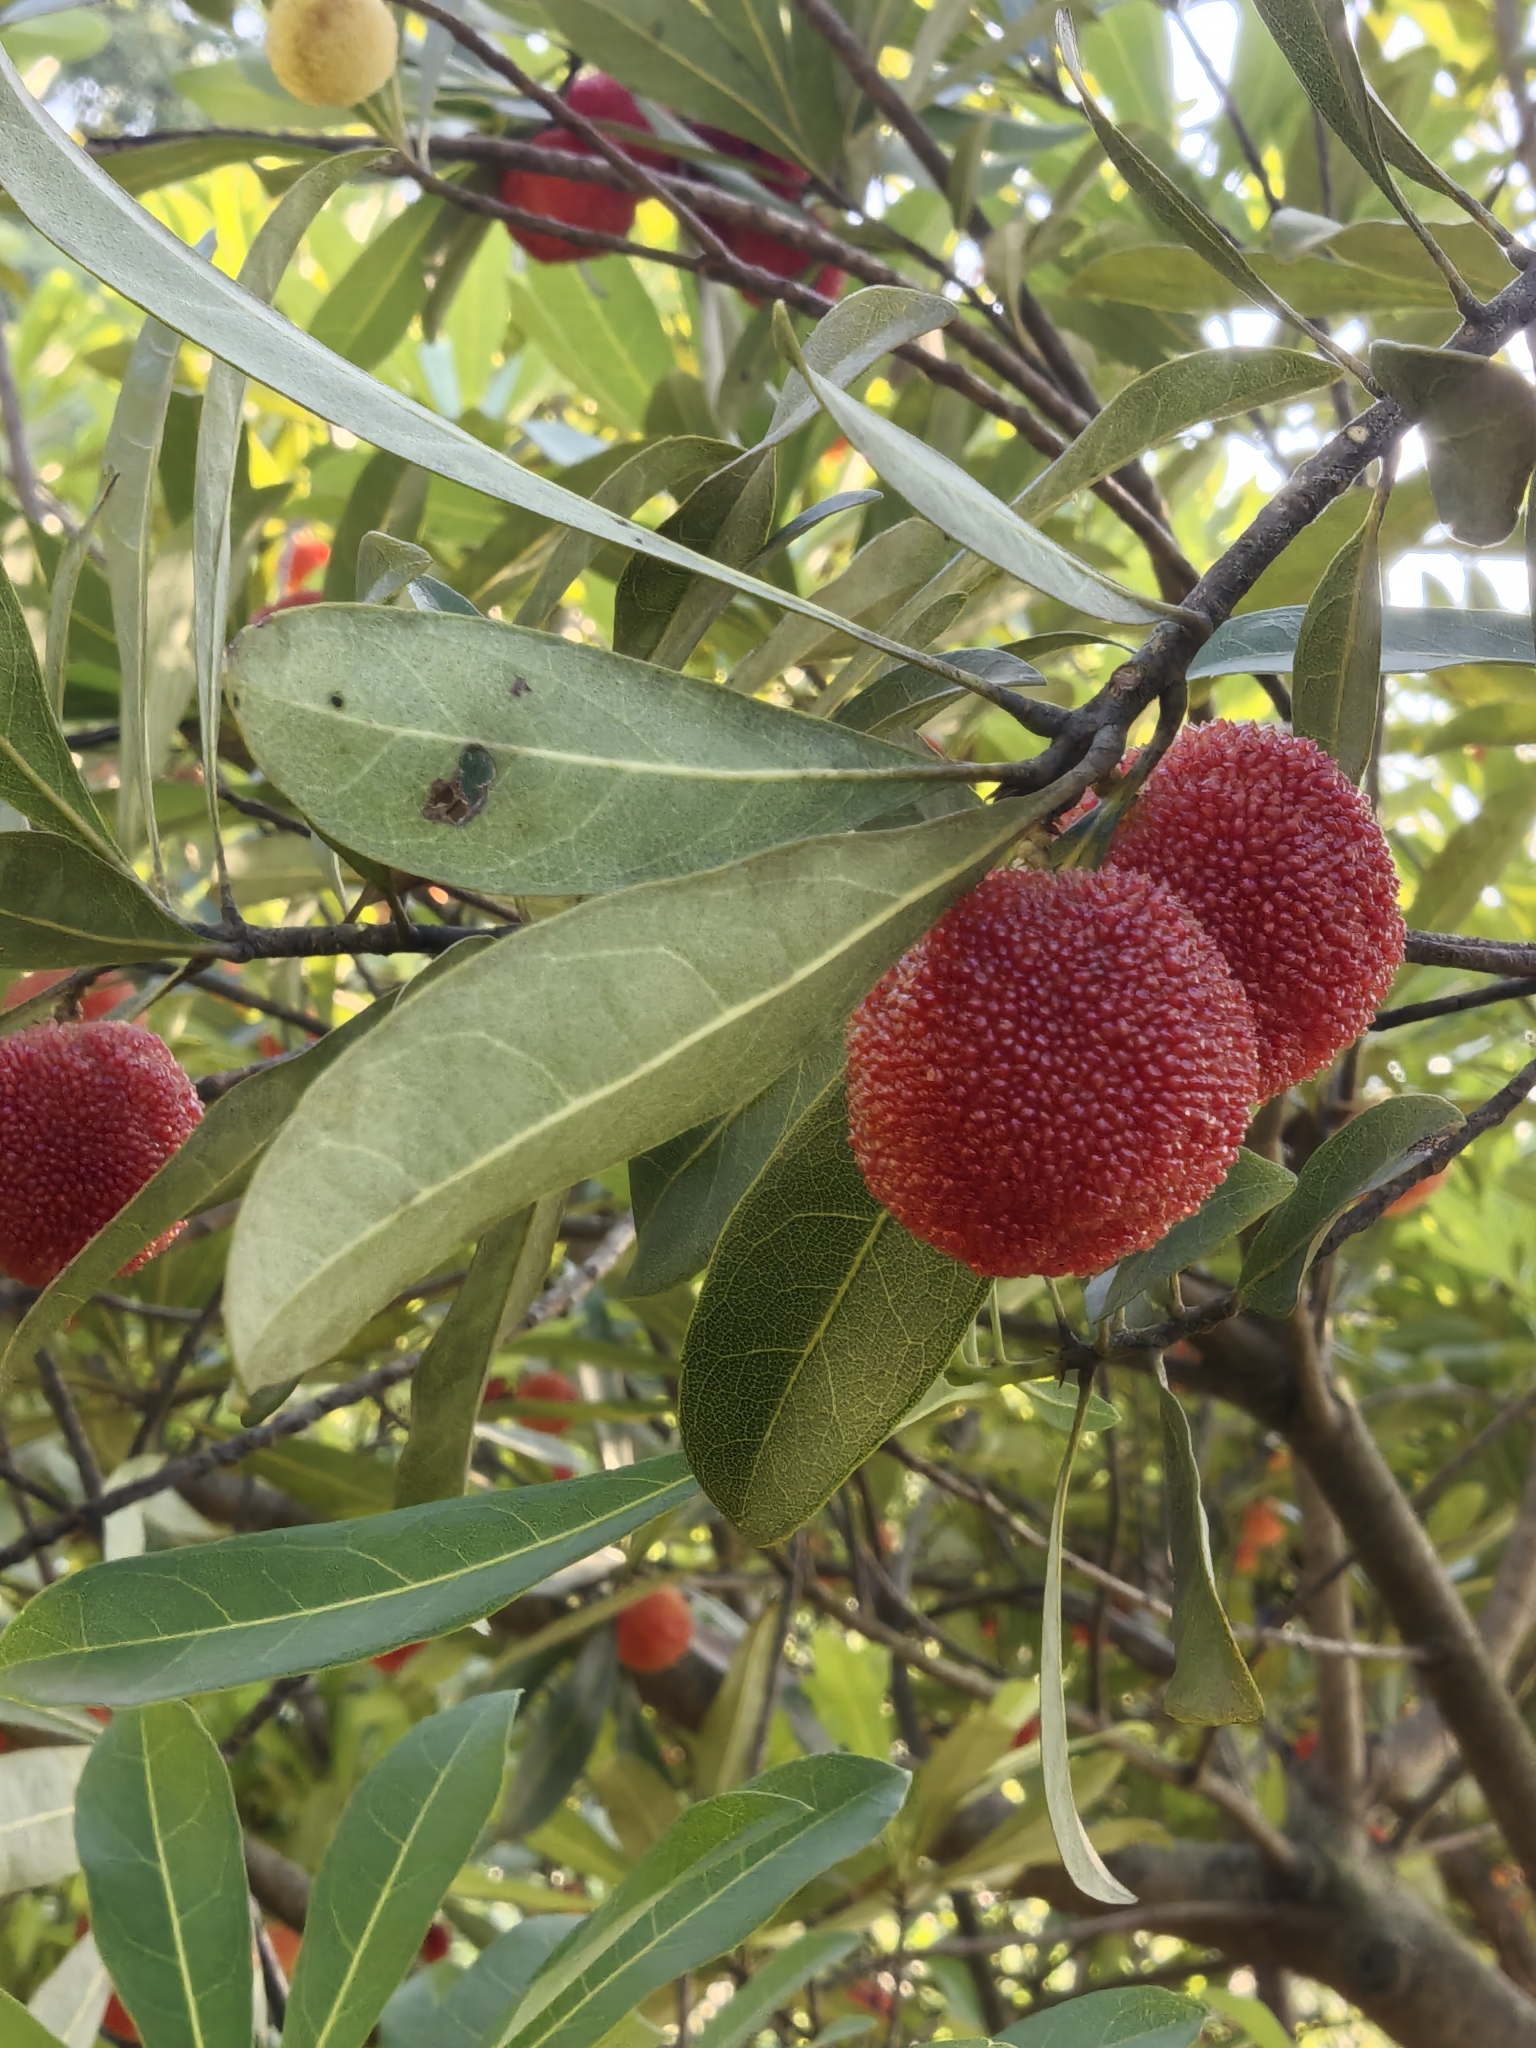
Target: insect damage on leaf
[[455, 799]]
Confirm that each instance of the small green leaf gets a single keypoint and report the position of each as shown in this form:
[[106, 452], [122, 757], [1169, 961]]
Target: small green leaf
[[1336, 694], [821, 1321], [1252, 1186], [556, 1748], [1486, 725], [385, 565], [1370, 1149], [498, 758], [1479, 424], [1139, 2016], [683, 1191], [659, 612], [598, 323], [1082, 1862], [267, 1606], [406, 1832], [63, 906], [1166, 401], [1057, 1407], [850, 340], [37, 774], [1211, 1685], [1413, 639], [160, 1847], [722, 1756], [510, 1265], [369, 308]]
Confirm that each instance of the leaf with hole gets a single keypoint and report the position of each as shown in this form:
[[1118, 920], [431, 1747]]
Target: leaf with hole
[[160, 1847], [592, 1036], [272, 1605], [1336, 686], [1252, 1187], [1370, 1149], [821, 1321], [1478, 420]]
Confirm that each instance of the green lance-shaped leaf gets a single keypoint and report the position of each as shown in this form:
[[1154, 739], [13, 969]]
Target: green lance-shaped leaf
[[1135, 2016], [1479, 424], [1370, 1149], [1336, 693], [509, 1267], [129, 462], [268, 1606], [772, 1984], [406, 1832], [160, 1846], [479, 2004], [494, 757], [1173, 206], [1082, 1862], [1211, 1685], [1166, 401], [19, 2027], [369, 309], [220, 425], [63, 906], [558, 1745], [592, 1036], [1252, 1186], [659, 612], [851, 339], [37, 774], [907, 696], [821, 1321], [716, 1875], [211, 1167], [80, 209], [1477, 853], [965, 510], [61, 604], [683, 1191], [1414, 638]]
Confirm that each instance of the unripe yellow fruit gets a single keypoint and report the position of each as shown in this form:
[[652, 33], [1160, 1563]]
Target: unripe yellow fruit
[[331, 53]]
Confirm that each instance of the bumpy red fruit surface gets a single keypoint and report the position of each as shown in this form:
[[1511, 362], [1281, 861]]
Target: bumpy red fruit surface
[[656, 1631], [87, 1113], [612, 212], [1278, 856], [1059, 1070]]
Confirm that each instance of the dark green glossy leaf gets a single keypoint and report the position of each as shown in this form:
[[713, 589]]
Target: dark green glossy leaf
[[1138, 2016], [1479, 424], [1211, 1685], [160, 1847], [406, 1832], [555, 1750], [821, 1321], [261, 1607], [1253, 1186], [1336, 691], [1369, 1150], [484, 1998]]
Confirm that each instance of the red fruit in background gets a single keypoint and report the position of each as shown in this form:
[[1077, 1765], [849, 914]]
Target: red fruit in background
[[1278, 856], [390, 1660], [307, 554], [612, 212], [548, 1386], [98, 999], [116, 2020], [1060, 1069], [437, 1944], [656, 1631], [264, 612], [285, 1943], [1421, 1192], [87, 1113], [754, 245], [1306, 1745]]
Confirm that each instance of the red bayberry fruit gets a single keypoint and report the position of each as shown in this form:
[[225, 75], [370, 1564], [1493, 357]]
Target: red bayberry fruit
[[602, 99], [263, 612], [755, 245], [87, 1113], [1278, 856], [389, 1661], [117, 2021], [437, 1943], [306, 555], [548, 1386], [656, 1631], [98, 999], [1421, 1192], [1060, 1069]]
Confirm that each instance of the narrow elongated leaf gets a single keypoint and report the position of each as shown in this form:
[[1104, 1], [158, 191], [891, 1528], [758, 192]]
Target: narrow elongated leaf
[[63, 906], [658, 612], [590, 1037], [491, 1989], [1486, 725], [265, 1606], [37, 1806], [509, 1267], [1253, 1186], [1082, 1862], [72, 1999], [160, 1847], [498, 758], [1414, 640], [1336, 694], [906, 697], [1163, 197], [406, 1832], [212, 1166], [851, 339], [1211, 1685], [556, 1749], [38, 777], [1138, 2016], [71, 201], [369, 309], [959, 506], [599, 324], [821, 1321], [1369, 1150], [1479, 424], [220, 425], [772, 1984], [19, 2027], [1167, 401], [715, 1876], [683, 1191]]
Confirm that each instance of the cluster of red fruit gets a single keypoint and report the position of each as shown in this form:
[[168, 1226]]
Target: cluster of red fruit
[[604, 101], [1065, 1065]]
